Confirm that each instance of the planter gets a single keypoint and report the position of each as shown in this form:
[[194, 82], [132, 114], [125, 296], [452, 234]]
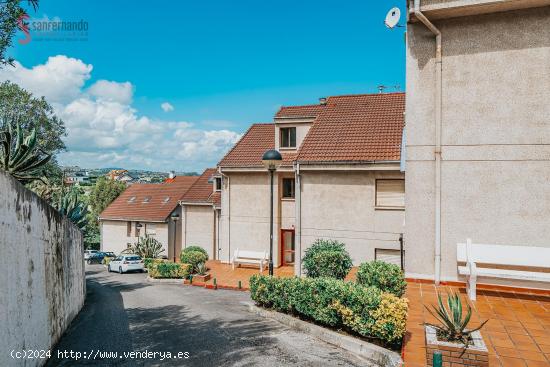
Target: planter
[[452, 353], [201, 278]]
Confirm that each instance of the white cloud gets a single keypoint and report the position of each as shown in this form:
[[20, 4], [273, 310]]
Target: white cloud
[[112, 91], [105, 129], [167, 107]]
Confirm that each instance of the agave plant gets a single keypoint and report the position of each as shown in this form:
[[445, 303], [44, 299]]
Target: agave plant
[[148, 247], [22, 159], [453, 327], [201, 269], [74, 209]]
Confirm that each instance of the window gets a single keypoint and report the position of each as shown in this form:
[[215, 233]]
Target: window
[[128, 229], [288, 137], [146, 199], [218, 184], [132, 199], [166, 199], [150, 229], [390, 194], [288, 188]]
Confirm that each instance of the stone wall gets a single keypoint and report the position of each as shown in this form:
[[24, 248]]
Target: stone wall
[[42, 279]]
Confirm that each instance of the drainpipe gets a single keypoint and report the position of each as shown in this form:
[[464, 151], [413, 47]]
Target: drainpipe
[[228, 213], [298, 228], [438, 119]]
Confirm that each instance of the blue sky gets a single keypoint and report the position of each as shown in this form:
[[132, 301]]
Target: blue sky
[[221, 65]]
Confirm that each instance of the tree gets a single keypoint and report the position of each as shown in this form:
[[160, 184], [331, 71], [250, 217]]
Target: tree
[[20, 157], [103, 194], [18, 106], [12, 18]]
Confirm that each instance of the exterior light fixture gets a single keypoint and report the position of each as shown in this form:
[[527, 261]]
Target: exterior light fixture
[[271, 159]]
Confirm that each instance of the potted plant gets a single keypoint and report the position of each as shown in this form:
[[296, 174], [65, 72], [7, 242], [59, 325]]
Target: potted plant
[[201, 275], [457, 343]]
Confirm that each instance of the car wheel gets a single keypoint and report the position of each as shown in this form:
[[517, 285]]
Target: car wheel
[[120, 269]]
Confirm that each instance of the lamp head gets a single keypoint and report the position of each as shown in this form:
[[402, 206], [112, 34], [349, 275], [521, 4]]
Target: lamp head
[[272, 159]]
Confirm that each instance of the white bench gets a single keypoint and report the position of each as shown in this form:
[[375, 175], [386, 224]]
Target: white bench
[[502, 255], [250, 257]]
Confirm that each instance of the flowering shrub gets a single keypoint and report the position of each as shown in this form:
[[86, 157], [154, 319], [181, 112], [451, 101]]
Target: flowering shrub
[[327, 258], [169, 270], [366, 311], [382, 275]]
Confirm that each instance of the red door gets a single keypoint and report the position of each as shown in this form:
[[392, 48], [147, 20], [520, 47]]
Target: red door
[[287, 246]]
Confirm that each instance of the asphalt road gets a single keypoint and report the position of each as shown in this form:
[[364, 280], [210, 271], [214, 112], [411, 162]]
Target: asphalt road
[[125, 313]]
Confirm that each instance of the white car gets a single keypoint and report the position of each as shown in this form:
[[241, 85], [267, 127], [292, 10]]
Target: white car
[[125, 263], [88, 253]]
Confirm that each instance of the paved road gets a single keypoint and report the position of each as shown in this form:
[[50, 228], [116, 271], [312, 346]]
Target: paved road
[[125, 313]]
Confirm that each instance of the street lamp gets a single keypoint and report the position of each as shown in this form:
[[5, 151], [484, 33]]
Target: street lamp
[[271, 160], [138, 229], [175, 217]]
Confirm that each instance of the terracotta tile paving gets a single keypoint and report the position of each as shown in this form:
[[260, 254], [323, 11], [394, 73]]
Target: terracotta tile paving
[[517, 334]]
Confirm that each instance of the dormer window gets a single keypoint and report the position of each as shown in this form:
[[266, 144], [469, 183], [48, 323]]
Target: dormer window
[[288, 137], [218, 182]]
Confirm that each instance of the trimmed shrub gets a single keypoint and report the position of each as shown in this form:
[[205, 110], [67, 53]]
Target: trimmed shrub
[[196, 248], [327, 258], [194, 258], [148, 262], [382, 275], [171, 270], [366, 311]]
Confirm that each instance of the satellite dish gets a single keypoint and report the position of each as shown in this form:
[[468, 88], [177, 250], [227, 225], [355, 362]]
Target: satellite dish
[[392, 19]]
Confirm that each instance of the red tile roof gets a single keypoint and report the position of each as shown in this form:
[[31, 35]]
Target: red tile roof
[[353, 128], [249, 150], [356, 128], [202, 191], [148, 202], [311, 110]]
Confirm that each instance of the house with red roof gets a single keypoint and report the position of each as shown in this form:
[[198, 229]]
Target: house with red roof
[[146, 209], [201, 213], [339, 178]]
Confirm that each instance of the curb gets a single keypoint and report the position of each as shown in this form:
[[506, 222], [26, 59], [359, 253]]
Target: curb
[[372, 353], [169, 281]]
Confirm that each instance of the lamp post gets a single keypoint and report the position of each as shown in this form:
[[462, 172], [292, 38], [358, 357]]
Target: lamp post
[[175, 217], [138, 227], [271, 160]]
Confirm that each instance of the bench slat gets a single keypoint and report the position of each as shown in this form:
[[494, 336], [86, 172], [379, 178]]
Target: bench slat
[[506, 255], [507, 274]]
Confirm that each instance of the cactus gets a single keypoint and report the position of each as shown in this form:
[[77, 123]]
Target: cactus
[[22, 160], [74, 209]]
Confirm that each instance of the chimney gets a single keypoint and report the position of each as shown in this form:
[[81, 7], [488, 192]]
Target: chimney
[[322, 101], [172, 174]]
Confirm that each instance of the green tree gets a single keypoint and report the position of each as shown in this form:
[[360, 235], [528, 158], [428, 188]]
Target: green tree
[[103, 194], [11, 19], [18, 106]]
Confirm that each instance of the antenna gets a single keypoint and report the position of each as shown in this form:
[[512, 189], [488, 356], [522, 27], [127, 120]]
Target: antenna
[[392, 18]]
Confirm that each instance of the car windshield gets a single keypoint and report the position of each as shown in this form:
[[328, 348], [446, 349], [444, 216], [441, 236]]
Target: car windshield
[[131, 258]]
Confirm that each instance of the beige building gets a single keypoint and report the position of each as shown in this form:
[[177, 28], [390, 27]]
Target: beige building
[[146, 209], [201, 206], [478, 129], [339, 179]]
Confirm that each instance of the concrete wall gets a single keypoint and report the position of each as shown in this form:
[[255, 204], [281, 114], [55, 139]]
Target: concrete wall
[[199, 227], [42, 284], [114, 235], [495, 135], [340, 205]]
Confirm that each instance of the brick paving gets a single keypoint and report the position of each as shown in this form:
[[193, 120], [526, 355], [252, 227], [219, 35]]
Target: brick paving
[[517, 334]]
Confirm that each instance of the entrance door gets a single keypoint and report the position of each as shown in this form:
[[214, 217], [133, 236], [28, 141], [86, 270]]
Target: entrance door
[[287, 246]]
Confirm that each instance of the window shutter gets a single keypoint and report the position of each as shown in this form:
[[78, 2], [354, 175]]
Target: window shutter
[[390, 193]]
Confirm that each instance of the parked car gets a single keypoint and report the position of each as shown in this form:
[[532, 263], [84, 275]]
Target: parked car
[[126, 263], [98, 257], [88, 253]]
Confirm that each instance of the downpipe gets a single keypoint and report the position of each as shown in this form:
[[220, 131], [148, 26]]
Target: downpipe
[[438, 122]]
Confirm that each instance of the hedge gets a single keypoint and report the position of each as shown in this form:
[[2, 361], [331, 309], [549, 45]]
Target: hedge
[[193, 255], [169, 270], [366, 311], [382, 275]]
